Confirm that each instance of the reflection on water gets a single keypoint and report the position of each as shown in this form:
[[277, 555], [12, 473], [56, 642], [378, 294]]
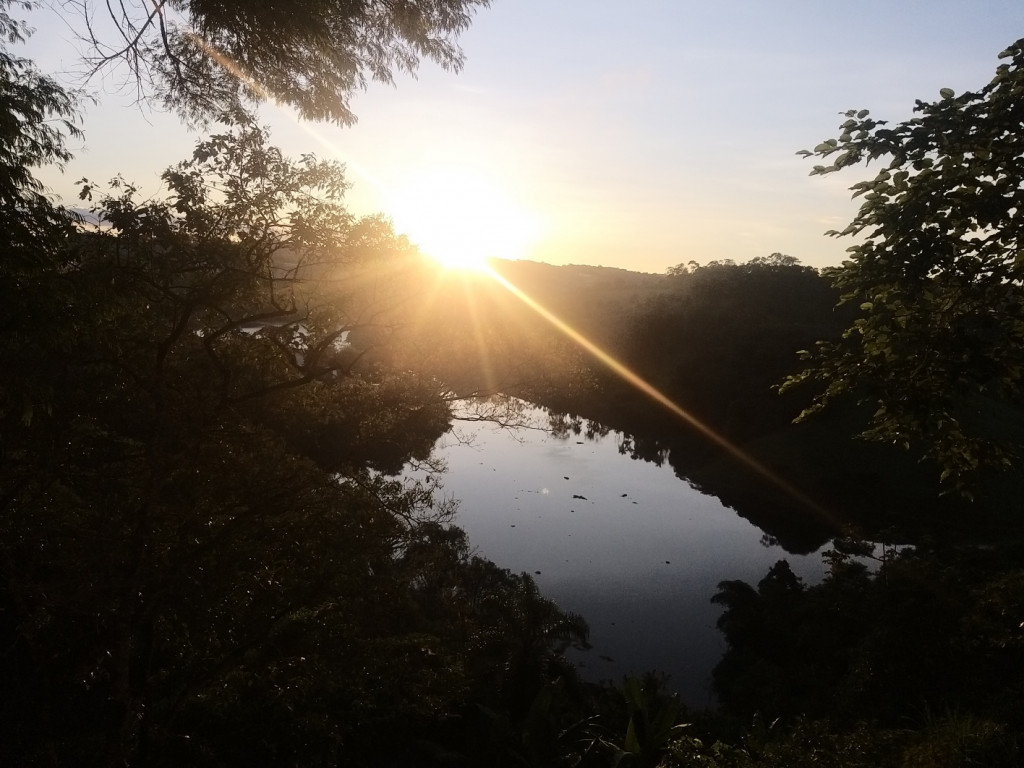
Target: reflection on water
[[625, 543]]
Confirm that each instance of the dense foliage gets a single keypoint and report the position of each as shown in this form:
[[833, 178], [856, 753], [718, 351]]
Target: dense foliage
[[203, 560], [200, 563], [937, 276], [35, 115], [202, 57], [713, 339], [723, 334], [925, 649]]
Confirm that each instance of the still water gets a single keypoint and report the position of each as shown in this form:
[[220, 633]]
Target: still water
[[627, 544]]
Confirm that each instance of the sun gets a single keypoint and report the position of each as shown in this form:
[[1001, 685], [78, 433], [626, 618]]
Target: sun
[[461, 217]]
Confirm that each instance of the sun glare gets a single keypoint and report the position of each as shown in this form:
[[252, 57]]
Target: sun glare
[[462, 218]]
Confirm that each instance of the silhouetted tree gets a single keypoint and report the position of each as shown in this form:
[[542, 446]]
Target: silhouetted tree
[[205, 57], [926, 631], [198, 564], [937, 349]]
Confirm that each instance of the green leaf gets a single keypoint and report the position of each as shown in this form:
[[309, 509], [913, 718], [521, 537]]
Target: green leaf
[[947, 93], [631, 743]]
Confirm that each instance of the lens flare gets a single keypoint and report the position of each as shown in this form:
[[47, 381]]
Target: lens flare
[[659, 397], [495, 221]]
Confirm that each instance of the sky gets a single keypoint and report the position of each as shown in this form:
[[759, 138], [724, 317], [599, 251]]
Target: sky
[[636, 135]]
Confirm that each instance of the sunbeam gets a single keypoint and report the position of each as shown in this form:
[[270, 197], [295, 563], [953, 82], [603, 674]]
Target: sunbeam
[[237, 71], [608, 360], [648, 389]]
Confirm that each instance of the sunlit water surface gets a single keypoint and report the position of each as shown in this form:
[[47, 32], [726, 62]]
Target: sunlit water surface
[[639, 556]]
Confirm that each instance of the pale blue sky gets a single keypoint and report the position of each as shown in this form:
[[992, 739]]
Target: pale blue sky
[[636, 135]]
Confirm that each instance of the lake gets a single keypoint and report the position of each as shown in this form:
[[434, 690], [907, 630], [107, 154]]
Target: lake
[[625, 543]]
